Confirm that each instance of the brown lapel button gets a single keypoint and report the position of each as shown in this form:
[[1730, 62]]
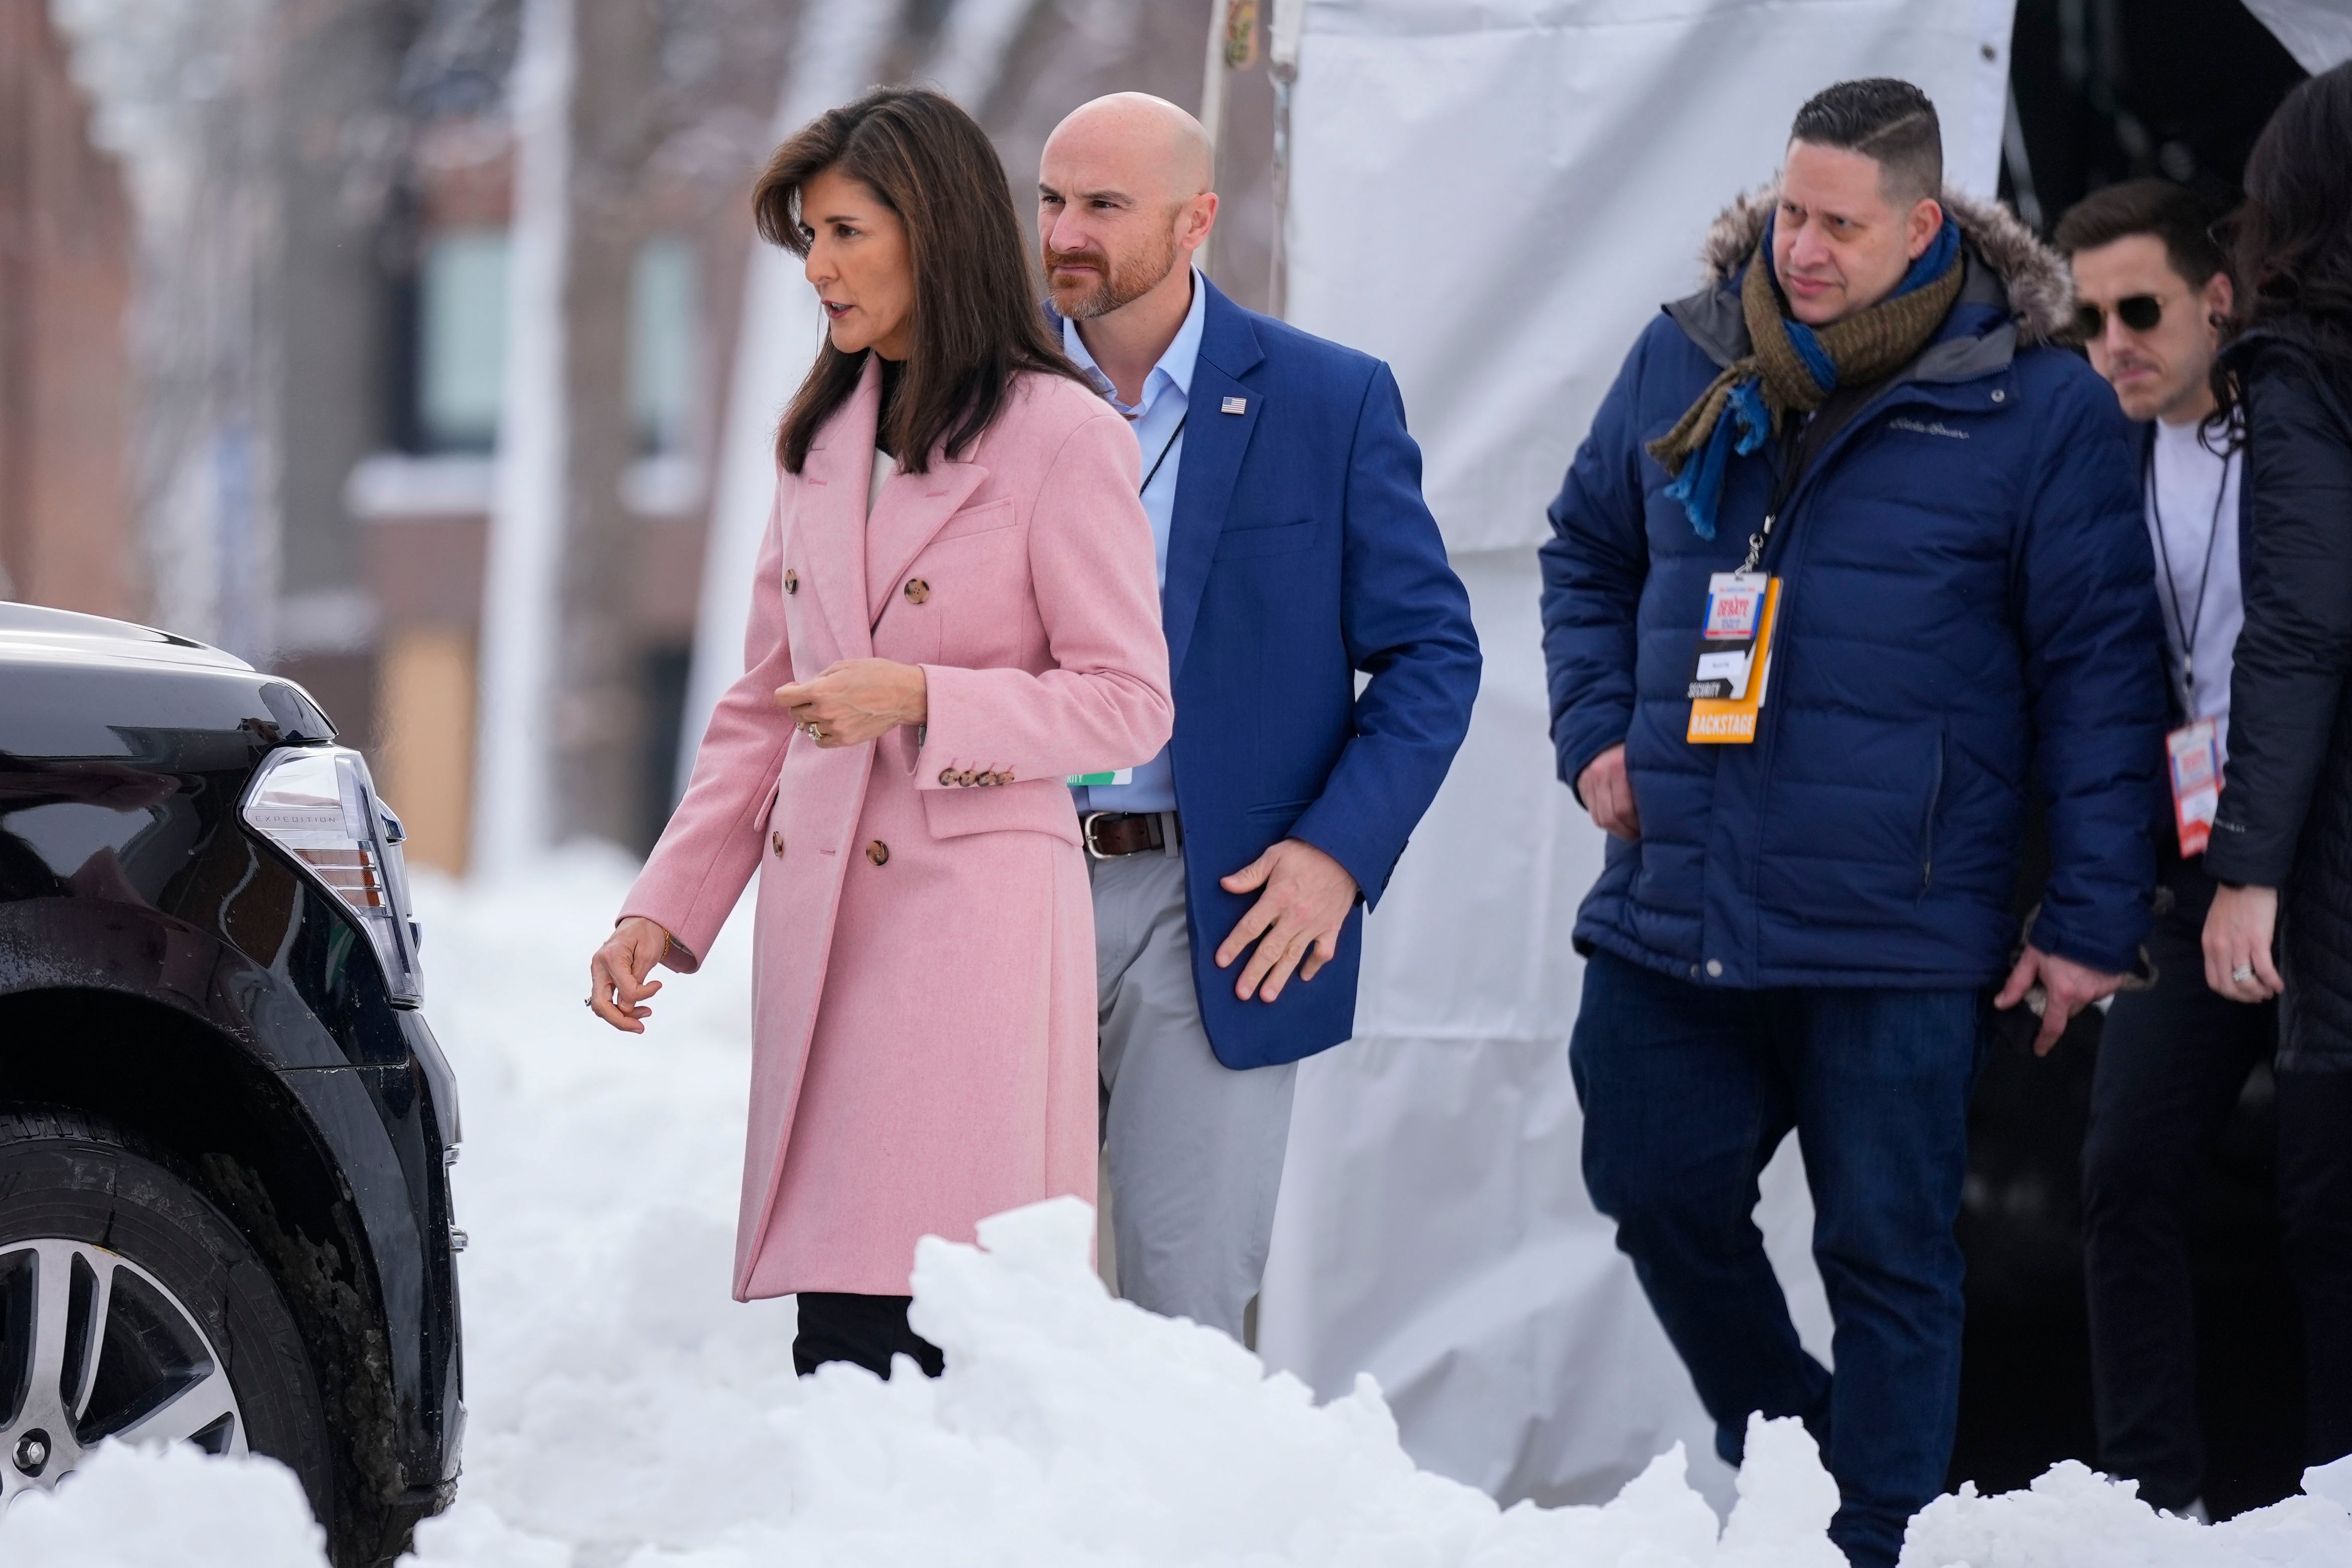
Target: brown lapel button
[[918, 590], [778, 840], [791, 582], [878, 852]]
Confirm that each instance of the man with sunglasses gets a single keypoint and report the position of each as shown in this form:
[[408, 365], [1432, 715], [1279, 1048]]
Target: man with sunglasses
[[2152, 288]]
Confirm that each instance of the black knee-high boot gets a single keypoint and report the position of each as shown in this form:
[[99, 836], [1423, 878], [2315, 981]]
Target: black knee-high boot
[[839, 1325]]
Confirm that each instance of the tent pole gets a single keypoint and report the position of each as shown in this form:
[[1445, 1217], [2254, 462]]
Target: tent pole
[[1213, 105], [1287, 21]]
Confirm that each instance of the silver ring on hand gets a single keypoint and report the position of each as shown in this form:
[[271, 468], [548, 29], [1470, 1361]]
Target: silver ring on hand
[[2243, 974], [813, 732]]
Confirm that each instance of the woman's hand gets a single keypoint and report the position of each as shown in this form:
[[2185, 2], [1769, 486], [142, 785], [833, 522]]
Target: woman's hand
[[2238, 931], [856, 700], [617, 986]]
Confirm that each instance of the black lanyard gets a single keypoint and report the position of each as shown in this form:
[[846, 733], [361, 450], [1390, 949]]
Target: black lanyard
[[1804, 438], [2185, 628], [1784, 485], [1172, 435]]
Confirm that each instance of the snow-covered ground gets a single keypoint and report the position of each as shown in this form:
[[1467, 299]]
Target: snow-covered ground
[[626, 1414]]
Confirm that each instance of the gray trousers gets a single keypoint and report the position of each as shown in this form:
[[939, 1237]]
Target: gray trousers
[[1194, 1147]]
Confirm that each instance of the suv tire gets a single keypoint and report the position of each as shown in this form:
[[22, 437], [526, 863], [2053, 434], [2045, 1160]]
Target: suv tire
[[76, 1183]]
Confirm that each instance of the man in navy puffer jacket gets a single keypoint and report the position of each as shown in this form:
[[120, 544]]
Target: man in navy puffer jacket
[[1798, 932]]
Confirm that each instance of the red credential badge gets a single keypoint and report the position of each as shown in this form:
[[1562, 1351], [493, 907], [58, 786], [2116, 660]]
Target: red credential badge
[[2195, 769]]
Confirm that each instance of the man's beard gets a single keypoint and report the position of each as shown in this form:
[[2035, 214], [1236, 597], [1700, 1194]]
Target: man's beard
[[1116, 285]]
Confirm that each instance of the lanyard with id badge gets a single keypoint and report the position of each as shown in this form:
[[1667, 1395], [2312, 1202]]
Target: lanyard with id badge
[[2193, 752], [1734, 661]]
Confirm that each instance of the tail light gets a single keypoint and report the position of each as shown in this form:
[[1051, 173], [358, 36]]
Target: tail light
[[318, 803]]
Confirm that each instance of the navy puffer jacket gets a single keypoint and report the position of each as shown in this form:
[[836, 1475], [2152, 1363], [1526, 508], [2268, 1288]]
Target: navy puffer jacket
[[1968, 612]]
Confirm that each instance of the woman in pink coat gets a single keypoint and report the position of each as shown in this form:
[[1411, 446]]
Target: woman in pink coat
[[955, 607]]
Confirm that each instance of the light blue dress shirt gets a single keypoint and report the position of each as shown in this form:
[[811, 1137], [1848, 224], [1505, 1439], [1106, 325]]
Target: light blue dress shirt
[[1156, 421]]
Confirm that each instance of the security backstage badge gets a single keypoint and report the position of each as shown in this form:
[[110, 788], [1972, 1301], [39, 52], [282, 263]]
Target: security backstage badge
[[1734, 659], [2195, 755]]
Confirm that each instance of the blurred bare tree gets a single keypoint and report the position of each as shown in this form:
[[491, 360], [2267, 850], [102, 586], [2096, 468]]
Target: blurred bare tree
[[668, 115], [186, 93]]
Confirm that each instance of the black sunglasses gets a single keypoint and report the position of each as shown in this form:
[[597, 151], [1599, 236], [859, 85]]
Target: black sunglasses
[[2140, 313]]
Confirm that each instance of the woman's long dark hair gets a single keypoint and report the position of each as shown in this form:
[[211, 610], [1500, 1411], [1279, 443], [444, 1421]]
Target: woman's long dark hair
[[2292, 240], [977, 320]]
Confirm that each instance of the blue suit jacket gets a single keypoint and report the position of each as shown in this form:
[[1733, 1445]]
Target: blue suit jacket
[[1299, 552]]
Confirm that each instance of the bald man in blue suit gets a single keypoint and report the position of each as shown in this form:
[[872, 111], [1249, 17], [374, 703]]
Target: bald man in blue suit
[[1296, 552]]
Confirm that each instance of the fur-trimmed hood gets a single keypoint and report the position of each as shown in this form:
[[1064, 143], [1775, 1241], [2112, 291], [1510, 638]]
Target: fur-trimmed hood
[[2040, 287]]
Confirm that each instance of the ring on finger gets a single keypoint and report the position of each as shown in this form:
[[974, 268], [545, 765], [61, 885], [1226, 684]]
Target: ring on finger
[[2244, 973]]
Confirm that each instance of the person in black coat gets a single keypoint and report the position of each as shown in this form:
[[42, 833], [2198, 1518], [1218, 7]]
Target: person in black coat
[[2280, 923]]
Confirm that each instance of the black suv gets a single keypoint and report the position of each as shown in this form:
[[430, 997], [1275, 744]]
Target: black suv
[[224, 1127]]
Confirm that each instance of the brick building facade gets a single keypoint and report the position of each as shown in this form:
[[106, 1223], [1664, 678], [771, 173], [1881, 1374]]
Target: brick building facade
[[66, 529]]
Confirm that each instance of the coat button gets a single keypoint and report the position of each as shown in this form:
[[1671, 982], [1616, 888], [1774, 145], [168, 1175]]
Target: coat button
[[947, 776], [878, 852], [1715, 969], [964, 778], [791, 582], [777, 840], [918, 590]]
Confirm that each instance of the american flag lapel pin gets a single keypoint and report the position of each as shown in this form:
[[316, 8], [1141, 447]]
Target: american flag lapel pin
[[1233, 405]]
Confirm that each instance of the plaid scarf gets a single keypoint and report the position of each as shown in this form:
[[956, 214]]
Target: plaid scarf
[[1792, 368]]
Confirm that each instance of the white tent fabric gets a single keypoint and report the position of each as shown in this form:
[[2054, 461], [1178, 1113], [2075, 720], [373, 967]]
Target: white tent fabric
[[2318, 33], [1493, 195]]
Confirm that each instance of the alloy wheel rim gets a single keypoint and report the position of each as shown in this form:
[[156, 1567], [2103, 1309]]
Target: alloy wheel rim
[[94, 1348]]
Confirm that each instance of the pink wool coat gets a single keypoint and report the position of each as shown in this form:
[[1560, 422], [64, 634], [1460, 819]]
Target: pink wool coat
[[924, 1013]]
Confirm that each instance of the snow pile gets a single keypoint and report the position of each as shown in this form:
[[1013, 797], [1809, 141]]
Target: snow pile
[[1072, 1429], [165, 1507], [2075, 1518], [626, 1414]]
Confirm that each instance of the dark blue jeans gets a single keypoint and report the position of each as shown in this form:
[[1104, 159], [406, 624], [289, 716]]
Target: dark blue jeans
[[1686, 1092]]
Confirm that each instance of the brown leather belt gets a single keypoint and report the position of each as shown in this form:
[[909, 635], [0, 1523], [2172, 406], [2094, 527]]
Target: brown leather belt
[[1110, 834]]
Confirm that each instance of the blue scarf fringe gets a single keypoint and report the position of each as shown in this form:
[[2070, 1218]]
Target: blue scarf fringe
[[1700, 487]]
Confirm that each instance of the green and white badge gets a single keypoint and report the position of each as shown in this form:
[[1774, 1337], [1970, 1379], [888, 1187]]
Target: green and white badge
[[1123, 776]]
